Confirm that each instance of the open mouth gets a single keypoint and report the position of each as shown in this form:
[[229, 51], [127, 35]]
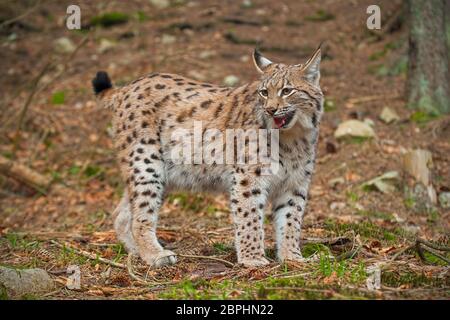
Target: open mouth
[[283, 121]]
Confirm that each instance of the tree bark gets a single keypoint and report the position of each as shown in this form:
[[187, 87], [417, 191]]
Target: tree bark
[[428, 67]]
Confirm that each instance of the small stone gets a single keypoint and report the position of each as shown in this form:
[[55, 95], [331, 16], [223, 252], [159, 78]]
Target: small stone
[[64, 45], [444, 200], [231, 81], [206, 54], [336, 206], [160, 4], [384, 183], [369, 121], [105, 45], [12, 37], [168, 39], [354, 128], [247, 4], [388, 115], [411, 229]]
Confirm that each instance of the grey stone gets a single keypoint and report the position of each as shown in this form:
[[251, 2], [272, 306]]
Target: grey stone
[[19, 282], [354, 128], [231, 81]]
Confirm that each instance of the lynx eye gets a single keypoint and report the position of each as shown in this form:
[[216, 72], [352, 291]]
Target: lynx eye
[[286, 91], [263, 93]]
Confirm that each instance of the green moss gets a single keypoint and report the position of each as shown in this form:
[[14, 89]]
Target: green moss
[[366, 230], [3, 293], [355, 140], [410, 279], [69, 256], [222, 248], [58, 97], [329, 105], [376, 214], [311, 249], [421, 117], [320, 16], [17, 241], [352, 196], [109, 19], [142, 16], [378, 55], [192, 202]]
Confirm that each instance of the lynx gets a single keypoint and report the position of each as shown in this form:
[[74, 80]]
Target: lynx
[[287, 99]]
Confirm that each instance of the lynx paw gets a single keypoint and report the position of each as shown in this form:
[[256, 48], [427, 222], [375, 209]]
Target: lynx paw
[[292, 256], [160, 259], [255, 262]]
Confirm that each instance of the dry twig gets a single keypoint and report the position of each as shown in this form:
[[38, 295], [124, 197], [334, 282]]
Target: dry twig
[[206, 257], [89, 255]]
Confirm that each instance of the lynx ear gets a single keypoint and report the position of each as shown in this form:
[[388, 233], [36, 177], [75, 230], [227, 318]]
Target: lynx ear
[[311, 68], [261, 63]]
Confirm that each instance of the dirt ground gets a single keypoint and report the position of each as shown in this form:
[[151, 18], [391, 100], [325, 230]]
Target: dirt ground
[[66, 136]]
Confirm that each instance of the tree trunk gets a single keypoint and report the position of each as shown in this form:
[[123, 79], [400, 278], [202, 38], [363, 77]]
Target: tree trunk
[[428, 73]]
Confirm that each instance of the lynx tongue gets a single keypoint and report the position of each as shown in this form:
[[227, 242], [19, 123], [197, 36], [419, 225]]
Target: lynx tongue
[[279, 122]]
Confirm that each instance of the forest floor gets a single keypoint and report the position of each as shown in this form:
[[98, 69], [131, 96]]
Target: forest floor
[[66, 136]]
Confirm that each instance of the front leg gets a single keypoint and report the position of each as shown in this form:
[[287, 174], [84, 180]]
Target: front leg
[[248, 200], [288, 212]]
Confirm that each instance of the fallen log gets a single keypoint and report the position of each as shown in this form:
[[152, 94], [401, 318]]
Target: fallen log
[[24, 174]]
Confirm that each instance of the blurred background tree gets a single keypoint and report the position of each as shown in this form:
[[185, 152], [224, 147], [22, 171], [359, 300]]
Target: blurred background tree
[[428, 68]]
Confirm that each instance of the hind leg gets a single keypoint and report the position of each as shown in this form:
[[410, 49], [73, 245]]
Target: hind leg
[[145, 176], [122, 224]]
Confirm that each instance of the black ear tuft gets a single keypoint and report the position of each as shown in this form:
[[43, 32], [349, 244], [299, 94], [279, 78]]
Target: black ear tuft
[[101, 82]]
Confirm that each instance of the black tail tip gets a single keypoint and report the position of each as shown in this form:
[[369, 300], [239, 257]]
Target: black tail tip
[[101, 82]]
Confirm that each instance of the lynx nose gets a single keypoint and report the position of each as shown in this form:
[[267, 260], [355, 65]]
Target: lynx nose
[[271, 111]]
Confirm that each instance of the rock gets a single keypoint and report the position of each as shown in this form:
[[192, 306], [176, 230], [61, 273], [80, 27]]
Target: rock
[[444, 200], [17, 283], [206, 54], [231, 81], [106, 45], [388, 115], [160, 4], [12, 37], [384, 183], [354, 128], [369, 121], [411, 229], [168, 39], [397, 218], [64, 45], [336, 206], [247, 4], [417, 163]]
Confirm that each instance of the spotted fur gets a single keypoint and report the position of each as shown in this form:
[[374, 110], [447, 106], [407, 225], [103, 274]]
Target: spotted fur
[[147, 111]]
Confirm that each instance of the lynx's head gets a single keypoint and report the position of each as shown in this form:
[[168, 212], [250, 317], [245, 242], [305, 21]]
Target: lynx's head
[[289, 94]]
